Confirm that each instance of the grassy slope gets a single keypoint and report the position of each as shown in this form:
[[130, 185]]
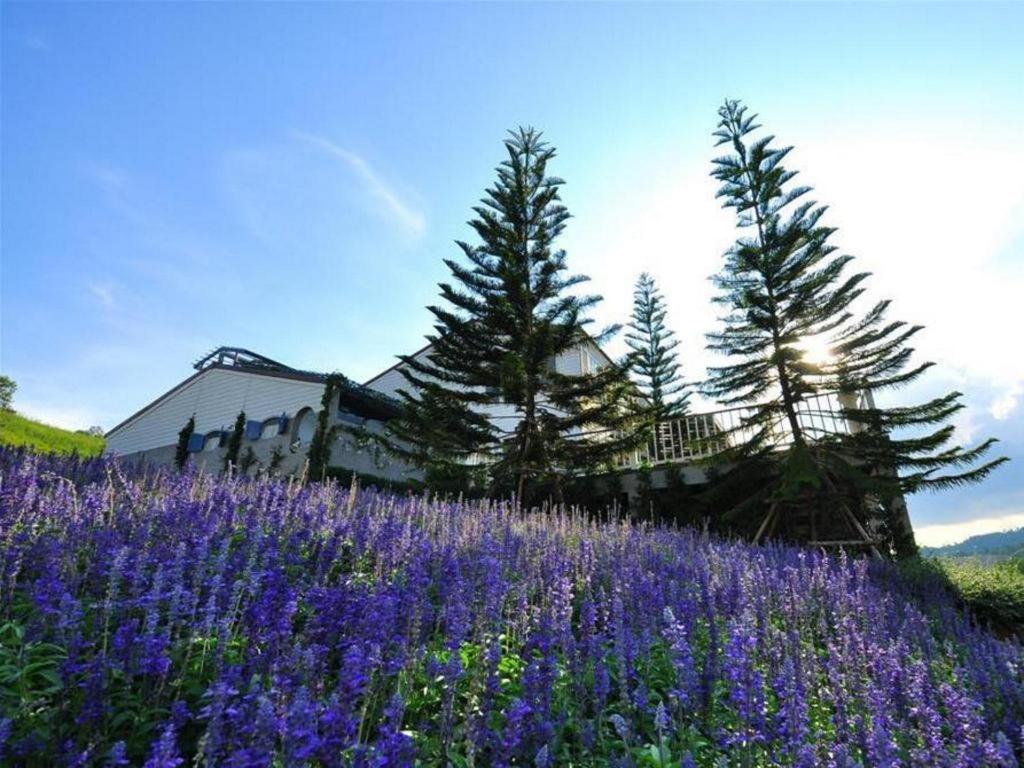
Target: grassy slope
[[17, 430], [994, 591]]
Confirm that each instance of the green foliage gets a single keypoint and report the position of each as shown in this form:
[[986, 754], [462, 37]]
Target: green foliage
[[654, 360], [29, 671], [319, 453], [235, 442], [508, 312], [276, 458], [248, 460], [7, 389], [344, 477], [994, 591], [181, 449], [783, 285], [19, 431]]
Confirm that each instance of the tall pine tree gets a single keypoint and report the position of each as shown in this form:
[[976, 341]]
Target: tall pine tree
[[654, 360], [783, 284], [487, 400]]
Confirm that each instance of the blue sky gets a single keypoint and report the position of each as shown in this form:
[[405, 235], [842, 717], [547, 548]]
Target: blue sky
[[289, 177]]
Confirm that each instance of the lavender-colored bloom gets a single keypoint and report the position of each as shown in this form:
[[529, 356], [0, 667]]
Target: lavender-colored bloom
[[5, 734], [620, 725], [118, 755], [307, 624], [165, 752], [661, 720]]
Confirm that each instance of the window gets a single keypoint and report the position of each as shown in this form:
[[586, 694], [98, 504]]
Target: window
[[305, 427], [212, 441], [270, 428]]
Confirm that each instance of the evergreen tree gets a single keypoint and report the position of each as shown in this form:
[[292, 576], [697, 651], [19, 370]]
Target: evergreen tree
[[903, 449], [248, 460], [7, 389], [783, 284], [654, 360], [319, 453], [235, 442], [181, 450], [509, 311]]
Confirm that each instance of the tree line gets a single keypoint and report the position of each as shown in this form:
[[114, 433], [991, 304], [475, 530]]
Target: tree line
[[486, 409]]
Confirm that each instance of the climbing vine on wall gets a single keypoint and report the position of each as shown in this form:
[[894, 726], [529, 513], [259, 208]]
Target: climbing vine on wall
[[319, 453]]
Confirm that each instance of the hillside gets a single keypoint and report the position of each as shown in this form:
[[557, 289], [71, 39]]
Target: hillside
[[183, 619], [19, 431], [999, 544]]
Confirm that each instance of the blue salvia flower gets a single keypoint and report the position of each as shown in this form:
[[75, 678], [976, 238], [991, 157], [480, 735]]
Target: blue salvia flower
[[165, 752], [620, 725], [303, 624], [118, 755]]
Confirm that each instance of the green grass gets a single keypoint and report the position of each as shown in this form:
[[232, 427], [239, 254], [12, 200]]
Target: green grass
[[17, 430], [993, 590]]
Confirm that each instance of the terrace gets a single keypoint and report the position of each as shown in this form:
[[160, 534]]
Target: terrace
[[701, 436]]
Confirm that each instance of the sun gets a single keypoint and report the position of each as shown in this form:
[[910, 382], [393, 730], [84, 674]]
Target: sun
[[816, 350]]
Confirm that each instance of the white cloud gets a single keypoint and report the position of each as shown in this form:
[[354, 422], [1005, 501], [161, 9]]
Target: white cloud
[[406, 215], [940, 534], [934, 210], [63, 416], [1003, 407]]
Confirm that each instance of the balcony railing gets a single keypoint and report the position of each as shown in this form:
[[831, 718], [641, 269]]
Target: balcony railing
[[701, 436]]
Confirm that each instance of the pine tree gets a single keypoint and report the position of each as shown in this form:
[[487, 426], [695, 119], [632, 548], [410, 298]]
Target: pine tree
[[235, 442], [903, 449], [783, 284], [508, 312], [654, 360], [181, 450]]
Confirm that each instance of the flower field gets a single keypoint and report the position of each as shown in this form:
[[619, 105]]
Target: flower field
[[169, 620]]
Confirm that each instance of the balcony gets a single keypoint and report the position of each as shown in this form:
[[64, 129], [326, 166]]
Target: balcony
[[702, 436]]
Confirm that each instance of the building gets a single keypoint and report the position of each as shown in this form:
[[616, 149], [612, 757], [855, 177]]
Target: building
[[281, 405]]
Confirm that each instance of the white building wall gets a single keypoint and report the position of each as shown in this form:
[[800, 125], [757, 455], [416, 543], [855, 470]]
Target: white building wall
[[392, 380], [577, 361], [215, 397], [584, 358]]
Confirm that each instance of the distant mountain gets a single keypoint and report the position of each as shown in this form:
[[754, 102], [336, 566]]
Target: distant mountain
[[1000, 544]]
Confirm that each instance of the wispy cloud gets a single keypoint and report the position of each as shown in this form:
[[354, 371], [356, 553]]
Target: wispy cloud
[[103, 292], [406, 215], [36, 43], [1004, 406]]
